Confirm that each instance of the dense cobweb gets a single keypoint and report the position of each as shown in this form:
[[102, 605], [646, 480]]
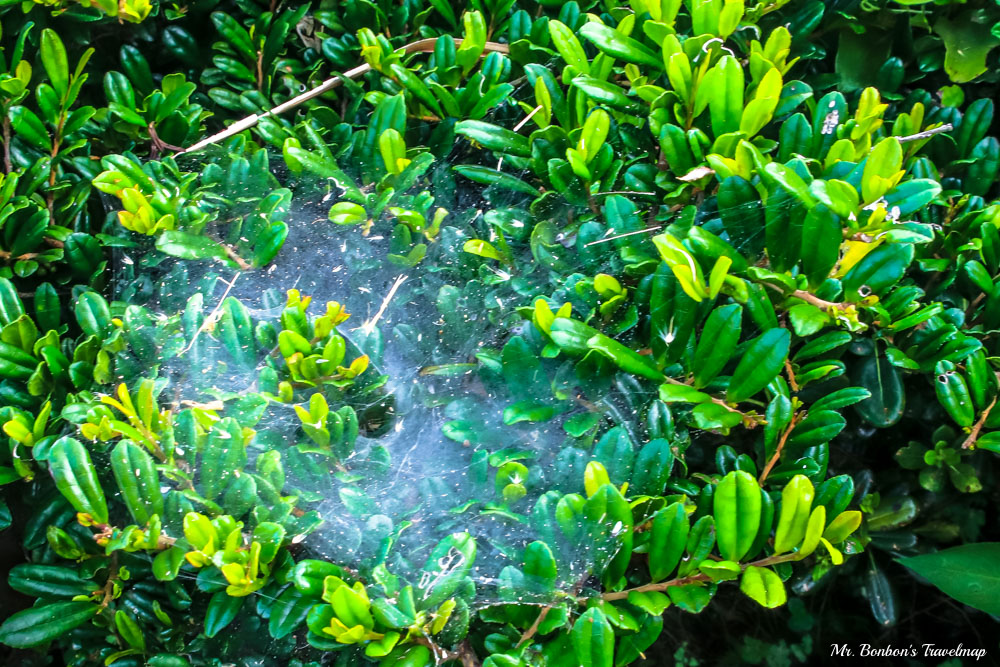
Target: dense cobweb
[[427, 492]]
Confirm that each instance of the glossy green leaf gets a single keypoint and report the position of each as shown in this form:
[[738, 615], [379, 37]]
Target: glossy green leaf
[[737, 511], [41, 624], [593, 639], [76, 478], [762, 361]]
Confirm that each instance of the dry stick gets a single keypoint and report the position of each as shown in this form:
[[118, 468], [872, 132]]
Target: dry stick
[[621, 236], [622, 192], [211, 316], [369, 326], [423, 45], [974, 433], [524, 121], [947, 127]]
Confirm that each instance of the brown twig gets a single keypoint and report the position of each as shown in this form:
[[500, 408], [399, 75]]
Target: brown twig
[[978, 426], [530, 632], [6, 256], [717, 401], [791, 376], [781, 445], [109, 585], [231, 254], [690, 579], [6, 145]]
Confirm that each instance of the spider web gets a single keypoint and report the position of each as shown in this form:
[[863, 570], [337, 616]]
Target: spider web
[[429, 480]]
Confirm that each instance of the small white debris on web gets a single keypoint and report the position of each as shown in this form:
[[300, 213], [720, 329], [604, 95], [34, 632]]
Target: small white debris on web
[[831, 120]]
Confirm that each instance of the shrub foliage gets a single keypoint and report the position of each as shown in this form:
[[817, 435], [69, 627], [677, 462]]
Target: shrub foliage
[[739, 258]]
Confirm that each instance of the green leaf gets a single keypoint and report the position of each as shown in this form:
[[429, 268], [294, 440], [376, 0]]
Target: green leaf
[[652, 468], [887, 399], [167, 564], [494, 137], [129, 630], [763, 586], [53, 55], [821, 238], [189, 246], [725, 104], [221, 611], [490, 176], [593, 640], [289, 612], [717, 342], [224, 455], [38, 625], [93, 314], [76, 478], [682, 393], [235, 330], [788, 179], [138, 481], [796, 502], [967, 573], [540, 566], [624, 357], [30, 128], [49, 581], [737, 511], [481, 248], [967, 42], [668, 539], [569, 46], [819, 427], [610, 41], [761, 363]]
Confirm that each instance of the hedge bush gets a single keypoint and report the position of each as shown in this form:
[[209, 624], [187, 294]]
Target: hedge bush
[[652, 304]]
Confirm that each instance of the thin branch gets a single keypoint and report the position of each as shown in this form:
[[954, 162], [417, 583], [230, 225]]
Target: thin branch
[[781, 445], [717, 401], [530, 632], [791, 376], [231, 254], [812, 299], [690, 579], [109, 586], [423, 45], [978, 426]]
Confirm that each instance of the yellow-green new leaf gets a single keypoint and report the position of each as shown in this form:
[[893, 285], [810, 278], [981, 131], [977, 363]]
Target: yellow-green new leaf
[[763, 586], [814, 532], [842, 526], [796, 501]]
